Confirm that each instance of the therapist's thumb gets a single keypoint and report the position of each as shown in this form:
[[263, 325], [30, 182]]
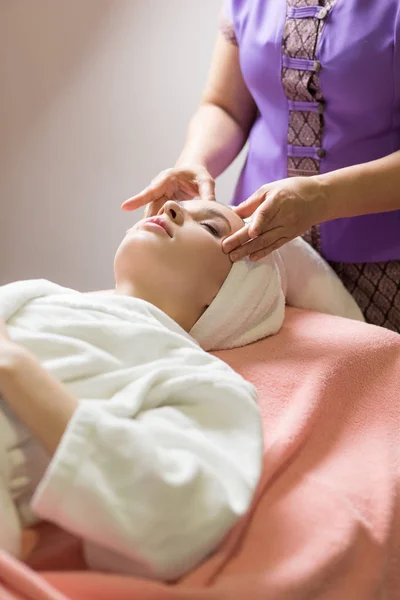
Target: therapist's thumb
[[261, 218]]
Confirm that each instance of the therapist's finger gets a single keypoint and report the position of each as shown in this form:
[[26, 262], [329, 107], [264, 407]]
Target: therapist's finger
[[235, 240], [153, 192], [206, 189], [154, 208], [265, 241]]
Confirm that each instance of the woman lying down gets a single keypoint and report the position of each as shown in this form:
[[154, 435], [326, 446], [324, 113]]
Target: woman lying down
[[115, 423]]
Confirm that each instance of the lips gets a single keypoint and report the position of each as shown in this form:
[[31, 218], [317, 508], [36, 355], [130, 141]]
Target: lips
[[162, 223]]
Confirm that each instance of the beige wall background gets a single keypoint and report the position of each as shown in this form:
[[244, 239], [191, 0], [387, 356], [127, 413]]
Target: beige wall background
[[95, 99]]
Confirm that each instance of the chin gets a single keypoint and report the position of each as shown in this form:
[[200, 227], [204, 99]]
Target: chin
[[139, 242], [142, 264]]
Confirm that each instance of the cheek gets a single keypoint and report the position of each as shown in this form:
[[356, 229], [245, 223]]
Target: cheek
[[214, 267]]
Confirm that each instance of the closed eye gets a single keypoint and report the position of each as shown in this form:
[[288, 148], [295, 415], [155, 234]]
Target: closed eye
[[211, 229]]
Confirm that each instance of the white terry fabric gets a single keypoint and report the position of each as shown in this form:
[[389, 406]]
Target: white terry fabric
[[163, 454], [249, 306], [9, 518], [311, 282], [22, 465], [251, 303]]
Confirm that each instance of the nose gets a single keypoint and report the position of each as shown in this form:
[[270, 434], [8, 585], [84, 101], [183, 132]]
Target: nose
[[173, 211]]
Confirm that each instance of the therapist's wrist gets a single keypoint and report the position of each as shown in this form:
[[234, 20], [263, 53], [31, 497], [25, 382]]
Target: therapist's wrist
[[191, 162], [325, 204]]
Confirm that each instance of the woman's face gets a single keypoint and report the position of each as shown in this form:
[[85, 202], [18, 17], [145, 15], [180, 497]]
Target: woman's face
[[179, 251]]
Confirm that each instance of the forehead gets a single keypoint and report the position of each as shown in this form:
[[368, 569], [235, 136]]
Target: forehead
[[197, 206]]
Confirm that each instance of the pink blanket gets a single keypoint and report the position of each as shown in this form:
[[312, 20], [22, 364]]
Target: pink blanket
[[325, 523]]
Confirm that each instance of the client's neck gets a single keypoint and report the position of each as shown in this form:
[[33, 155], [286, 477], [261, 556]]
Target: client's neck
[[177, 309]]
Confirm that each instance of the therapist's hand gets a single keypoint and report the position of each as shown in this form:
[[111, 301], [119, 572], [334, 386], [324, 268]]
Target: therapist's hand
[[181, 183], [280, 211]]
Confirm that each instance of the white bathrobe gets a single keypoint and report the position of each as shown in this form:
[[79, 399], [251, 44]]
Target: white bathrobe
[[164, 452]]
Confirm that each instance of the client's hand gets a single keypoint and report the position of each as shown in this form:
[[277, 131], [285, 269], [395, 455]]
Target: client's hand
[[3, 330], [183, 183], [280, 212], [41, 402], [8, 350]]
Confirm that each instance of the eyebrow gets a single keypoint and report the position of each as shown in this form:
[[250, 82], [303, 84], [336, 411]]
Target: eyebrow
[[218, 215], [231, 209]]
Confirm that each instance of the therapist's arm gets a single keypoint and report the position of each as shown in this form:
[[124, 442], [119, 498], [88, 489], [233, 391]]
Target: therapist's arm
[[220, 127], [361, 189], [43, 404]]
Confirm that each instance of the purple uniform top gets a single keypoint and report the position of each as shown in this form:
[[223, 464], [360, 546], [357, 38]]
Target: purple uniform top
[[334, 107]]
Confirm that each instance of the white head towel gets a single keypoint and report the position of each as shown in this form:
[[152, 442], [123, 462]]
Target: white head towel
[[251, 303], [249, 306]]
